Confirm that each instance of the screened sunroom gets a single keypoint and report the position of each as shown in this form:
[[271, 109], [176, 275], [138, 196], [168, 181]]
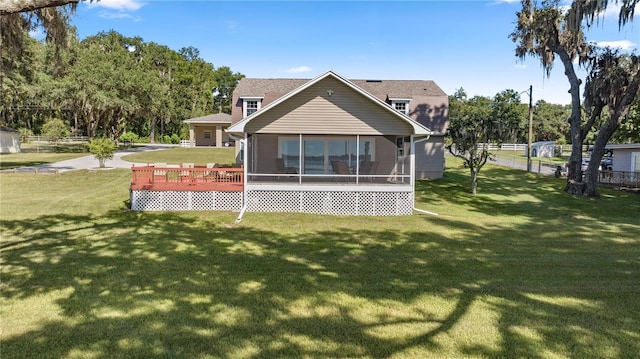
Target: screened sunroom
[[329, 147], [328, 159]]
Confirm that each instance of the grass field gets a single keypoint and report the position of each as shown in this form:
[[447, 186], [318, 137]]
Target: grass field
[[181, 155], [519, 270]]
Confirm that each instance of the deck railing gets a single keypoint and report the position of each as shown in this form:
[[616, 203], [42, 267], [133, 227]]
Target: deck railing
[[181, 178], [200, 178], [327, 179]]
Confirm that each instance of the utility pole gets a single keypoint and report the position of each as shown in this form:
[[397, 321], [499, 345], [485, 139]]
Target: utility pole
[[530, 128]]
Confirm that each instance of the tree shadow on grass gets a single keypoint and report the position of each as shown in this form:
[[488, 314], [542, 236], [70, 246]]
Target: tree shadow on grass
[[129, 284], [506, 192]]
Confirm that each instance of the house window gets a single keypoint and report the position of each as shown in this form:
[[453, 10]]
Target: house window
[[318, 152], [401, 105], [250, 106], [207, 134]]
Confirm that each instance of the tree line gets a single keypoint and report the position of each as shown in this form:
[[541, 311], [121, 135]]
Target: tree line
[[108, 85], [549, 119]]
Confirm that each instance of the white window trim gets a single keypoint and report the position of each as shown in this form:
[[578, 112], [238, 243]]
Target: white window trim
[[406, 101], [247, 99], [204, 134], [634, 156]]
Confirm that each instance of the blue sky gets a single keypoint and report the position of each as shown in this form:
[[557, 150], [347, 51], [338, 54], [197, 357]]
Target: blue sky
[[455, 43]]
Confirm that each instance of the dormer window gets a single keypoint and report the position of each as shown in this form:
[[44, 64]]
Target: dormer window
[[250, 105], [400, 104]]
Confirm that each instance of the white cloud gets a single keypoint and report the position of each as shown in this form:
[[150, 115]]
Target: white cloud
[[117, 9], [613, 10], [120, 5], [620, 44], [520, 66], [114, 15], [298, 70]]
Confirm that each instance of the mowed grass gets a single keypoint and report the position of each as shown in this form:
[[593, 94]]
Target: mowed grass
[[178, 155], [519, 270]]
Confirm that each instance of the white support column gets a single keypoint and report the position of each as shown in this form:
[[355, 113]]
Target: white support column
[[412, 163], [358, 159], [192, 136], [301, 153], [245, 167], [218, 135]]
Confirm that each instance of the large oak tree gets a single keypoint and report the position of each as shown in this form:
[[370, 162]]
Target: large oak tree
[[549, 31]]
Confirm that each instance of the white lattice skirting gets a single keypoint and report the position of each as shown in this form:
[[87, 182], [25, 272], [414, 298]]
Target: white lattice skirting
[[359, 203], [185, 201]]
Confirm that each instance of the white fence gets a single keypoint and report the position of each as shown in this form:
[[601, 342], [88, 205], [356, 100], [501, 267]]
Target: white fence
[[504, 147], [70, 139]]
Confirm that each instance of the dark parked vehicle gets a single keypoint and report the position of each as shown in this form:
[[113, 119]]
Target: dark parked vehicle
[[606, 164]]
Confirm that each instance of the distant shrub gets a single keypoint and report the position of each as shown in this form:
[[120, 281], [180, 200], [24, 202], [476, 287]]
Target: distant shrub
[[129, 137], [25, 134], [55, 129], [184, 131], [175, 139], [103, 149]]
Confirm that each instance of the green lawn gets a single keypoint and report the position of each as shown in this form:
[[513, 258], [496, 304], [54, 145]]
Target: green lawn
[[519, 270], [180, 155]]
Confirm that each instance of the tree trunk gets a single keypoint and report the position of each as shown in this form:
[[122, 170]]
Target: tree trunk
[[75, 123], [474, 181], [574, 175], [152, 135], [15, 6], [591, 175]]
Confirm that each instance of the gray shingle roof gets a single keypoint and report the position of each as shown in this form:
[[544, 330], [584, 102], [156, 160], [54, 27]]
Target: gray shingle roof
[[7, 129], [254, 87], [215, 118], [259, 87]]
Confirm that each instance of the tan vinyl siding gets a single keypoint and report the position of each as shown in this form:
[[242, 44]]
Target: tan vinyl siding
[[314, 111], [431, 111], [200, 140], [430, 158]]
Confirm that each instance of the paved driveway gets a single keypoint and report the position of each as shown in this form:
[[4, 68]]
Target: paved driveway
[[90, 162]]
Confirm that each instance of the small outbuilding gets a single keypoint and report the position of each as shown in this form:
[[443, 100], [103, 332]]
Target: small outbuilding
[[626, 157], [9, 140], [543, 149], [209, 130]]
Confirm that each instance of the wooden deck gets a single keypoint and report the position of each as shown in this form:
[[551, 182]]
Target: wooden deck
[[201, 178], [155, 178]]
